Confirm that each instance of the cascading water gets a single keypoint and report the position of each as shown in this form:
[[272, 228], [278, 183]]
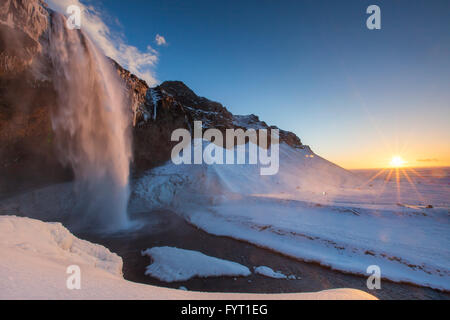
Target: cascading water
[[91, 125]]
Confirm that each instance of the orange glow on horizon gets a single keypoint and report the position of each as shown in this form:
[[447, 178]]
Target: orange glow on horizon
[[380, 158]]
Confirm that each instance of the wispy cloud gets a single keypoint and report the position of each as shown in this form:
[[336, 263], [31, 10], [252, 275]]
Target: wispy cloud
[[113, 44], [428, 160], [160, 40]]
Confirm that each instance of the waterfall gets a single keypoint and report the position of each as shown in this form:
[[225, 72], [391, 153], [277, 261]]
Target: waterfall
[[91, 123]]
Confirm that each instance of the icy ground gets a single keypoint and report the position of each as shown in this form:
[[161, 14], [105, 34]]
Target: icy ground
[[171, 264], [34, 257]]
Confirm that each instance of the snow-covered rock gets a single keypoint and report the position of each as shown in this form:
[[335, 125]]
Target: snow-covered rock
[[171, 264], [53, 240]]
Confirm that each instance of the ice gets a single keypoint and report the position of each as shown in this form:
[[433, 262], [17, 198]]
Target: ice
[[268, 272], [155, 98]]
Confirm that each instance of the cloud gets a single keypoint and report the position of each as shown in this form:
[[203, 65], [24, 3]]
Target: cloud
[[428, 160], [112, 44], [160, 40]]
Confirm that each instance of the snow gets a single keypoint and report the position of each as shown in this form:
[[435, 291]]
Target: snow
[[268, 272], [171, 264], [201, 111], [407, 248], [56, 242], [313, 210], [34, 257], [160, 187], [353, 225], [248, 121]]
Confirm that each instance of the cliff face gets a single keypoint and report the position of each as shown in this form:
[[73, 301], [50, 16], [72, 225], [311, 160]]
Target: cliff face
[[173, 105], [27, 97], [26, 138], [22, 23]]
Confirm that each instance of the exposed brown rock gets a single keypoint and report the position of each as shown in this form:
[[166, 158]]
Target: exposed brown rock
[[22, 23]]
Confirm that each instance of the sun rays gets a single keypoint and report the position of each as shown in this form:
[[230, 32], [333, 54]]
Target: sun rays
[[397, 174]]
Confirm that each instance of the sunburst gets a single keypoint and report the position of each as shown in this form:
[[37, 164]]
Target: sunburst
[[396, 171], [397, 162]]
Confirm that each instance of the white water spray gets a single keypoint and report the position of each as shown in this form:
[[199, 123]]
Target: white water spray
[[91, 124]]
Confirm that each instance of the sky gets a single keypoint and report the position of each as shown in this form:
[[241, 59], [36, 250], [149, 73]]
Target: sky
[[358, 97]]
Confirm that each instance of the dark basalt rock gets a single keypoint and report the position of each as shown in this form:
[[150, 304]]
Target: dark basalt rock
[[173, 105]]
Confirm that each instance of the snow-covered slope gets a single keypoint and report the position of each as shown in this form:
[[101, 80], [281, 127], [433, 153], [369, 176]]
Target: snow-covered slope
[[302, 175], [405, 244], [311, 210], [34, 257]]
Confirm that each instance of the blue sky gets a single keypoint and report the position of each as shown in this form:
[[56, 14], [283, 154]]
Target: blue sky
[[357, 96]]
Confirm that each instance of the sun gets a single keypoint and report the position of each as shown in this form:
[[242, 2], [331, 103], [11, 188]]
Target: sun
[[397, 162]]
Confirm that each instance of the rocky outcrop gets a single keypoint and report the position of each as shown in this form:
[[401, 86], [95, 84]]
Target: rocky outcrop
[[27, 96], [27, 152], [137, 91], [22, 23], [173, 105]]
